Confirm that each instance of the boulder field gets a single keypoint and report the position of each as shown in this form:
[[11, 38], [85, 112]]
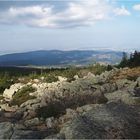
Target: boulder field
[[105, 106]]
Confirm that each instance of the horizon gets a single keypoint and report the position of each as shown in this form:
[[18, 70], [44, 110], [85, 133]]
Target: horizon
[[31, 25]]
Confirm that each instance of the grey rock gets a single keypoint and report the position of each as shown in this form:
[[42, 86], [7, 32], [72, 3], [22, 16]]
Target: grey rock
[[8, 93], [123, 83], [70, 112], [32, 122], [6, 130], [50, 122], [19, 126], [137, 92], [138, 80], [132, 86], [56, 136], [125, 96], [108, 87], [6, 107], [110, 121], [76, 77], [62, 79], [27, 134], [30, 102], [105, 75], [85, 108], [36, 80]]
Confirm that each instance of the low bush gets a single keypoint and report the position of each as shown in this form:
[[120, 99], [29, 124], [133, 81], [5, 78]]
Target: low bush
[[5, 82], [58, 108], [51, 78], [97, 69], [23, 95], [51, 110]]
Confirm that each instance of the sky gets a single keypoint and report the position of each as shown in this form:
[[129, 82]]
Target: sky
[[28, 25]]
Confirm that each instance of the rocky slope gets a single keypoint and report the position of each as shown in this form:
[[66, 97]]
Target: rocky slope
[[104, 106]]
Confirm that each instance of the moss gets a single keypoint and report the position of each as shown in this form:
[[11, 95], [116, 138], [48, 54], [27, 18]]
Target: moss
[[23, 95]]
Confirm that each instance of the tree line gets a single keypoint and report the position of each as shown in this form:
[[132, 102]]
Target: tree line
[[132, 61]]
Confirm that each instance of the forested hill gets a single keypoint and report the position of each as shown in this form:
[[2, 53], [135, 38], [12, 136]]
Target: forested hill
[[57, 57]]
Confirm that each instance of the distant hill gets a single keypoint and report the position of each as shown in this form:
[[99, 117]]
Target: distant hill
[[57, 57]]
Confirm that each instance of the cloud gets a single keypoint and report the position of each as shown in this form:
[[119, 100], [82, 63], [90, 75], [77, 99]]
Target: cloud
[[136, 7], [121, 11], [76, 14]]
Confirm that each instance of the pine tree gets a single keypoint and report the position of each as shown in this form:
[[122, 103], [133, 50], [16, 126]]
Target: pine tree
[[124, 61]]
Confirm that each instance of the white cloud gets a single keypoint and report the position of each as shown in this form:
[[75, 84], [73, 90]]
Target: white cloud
[[77, 13], [121, 11], [136, 7]]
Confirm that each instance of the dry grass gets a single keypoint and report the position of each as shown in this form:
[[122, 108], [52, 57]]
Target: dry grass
[[130, 74]]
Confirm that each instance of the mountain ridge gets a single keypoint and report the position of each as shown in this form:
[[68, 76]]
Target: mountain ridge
[[60, 57]]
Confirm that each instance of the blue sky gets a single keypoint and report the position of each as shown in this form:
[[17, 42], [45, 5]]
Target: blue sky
[[68, 25]]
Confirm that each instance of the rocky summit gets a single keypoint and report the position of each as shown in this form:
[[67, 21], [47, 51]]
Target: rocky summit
[[105, 106]]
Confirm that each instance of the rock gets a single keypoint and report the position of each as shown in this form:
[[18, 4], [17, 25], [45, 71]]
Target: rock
[[19, 126], [6, 130], [8, 115], [85, 108], [36, 80], [138, 80], [50, 122], [132, 86], [90, 78], [137, 92], [42, 78], [68, 116], [32, 122], [35, 85], [8, 93], [6, 107], [108, 88], [62, 79], [123, 83], [25, 114], [125, 96], [30, 103], [70, 113], [105, 75], [31, 114], [18, 115], [55, 137], [26, 134], [1, 113], [90, 75], [76, 77], [29, 84], [109, 121]]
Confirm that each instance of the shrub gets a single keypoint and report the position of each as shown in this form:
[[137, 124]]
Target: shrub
[[52, 109], [97, 68], [70, 73], [51, 78], [23, 95], [5, 82], [58, 108]]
